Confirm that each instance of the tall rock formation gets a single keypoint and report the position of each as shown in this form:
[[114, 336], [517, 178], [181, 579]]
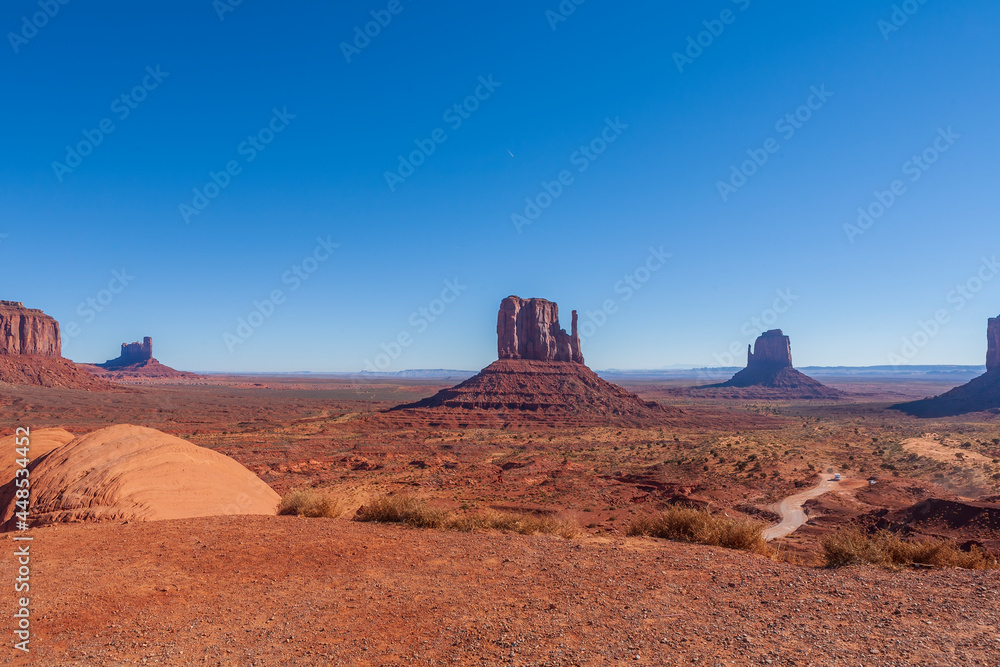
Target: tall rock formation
[[529, 329], [31, 352], [993, 349], [136, 363], [132, 353], [27, 331], [539, 379], [769, 373], [772, 349], [978, 395]]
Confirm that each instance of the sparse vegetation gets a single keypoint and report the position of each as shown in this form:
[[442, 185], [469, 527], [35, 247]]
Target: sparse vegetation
[[888, 550], [416, 512], [311, 503], [684, 524]]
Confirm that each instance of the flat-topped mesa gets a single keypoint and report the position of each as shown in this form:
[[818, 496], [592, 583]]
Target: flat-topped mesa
[[133, 353], [28, 331], [772, 349], [529, 329], [993, 351]]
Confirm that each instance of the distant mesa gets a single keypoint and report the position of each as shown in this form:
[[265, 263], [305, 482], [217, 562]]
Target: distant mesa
[[31, 352], [136, 361], [769, 373], [539, 378], [978, 395], [132, 473]]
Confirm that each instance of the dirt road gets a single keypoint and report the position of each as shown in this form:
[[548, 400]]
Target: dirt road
[[790, 509]]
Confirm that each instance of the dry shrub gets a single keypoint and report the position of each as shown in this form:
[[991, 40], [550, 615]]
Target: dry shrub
[[403, 509], [311, 503], [889, 550], [416, 512], [683, 524], [524, 524]]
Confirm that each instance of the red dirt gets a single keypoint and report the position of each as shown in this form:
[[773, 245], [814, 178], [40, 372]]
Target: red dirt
[[53, 372]]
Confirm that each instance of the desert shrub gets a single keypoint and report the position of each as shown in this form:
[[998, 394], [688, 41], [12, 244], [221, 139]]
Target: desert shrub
[[683, 524], [403, 509], [889, 550], [416, 512], [524, 524], [311, 503]]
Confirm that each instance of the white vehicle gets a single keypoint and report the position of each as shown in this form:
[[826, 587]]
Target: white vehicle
[[836, 477]]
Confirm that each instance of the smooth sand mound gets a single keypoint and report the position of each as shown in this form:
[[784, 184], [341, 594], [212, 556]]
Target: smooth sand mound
[[41, 443], [137, 473]]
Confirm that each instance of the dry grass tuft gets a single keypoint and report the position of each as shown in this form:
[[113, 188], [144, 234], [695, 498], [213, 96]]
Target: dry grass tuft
[[311, 503], [416, 512], [683, 524], [888, 550], [403, 509]]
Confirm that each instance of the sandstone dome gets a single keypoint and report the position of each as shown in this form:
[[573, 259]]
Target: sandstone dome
[[129, 472]]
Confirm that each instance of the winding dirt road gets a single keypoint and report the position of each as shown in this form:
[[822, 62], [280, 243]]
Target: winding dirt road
[[790, 509]]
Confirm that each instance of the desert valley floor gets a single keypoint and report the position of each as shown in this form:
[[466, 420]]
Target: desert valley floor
[[256, 590]]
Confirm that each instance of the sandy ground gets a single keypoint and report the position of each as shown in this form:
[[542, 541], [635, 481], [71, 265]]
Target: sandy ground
[[931, 447]]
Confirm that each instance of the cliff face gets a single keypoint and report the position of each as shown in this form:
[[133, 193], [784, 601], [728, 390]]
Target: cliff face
[[772, 349], [993, 351], [28, 331], [529, 329]]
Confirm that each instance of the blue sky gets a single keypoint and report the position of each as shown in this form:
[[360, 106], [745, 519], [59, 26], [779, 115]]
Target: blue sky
[[556, 93]]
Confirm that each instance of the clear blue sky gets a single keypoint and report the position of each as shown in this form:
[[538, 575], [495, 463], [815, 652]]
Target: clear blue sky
[[324, 176]]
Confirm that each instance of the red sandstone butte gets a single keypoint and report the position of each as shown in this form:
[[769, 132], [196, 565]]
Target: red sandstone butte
[[529, 329], [28, 331]]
